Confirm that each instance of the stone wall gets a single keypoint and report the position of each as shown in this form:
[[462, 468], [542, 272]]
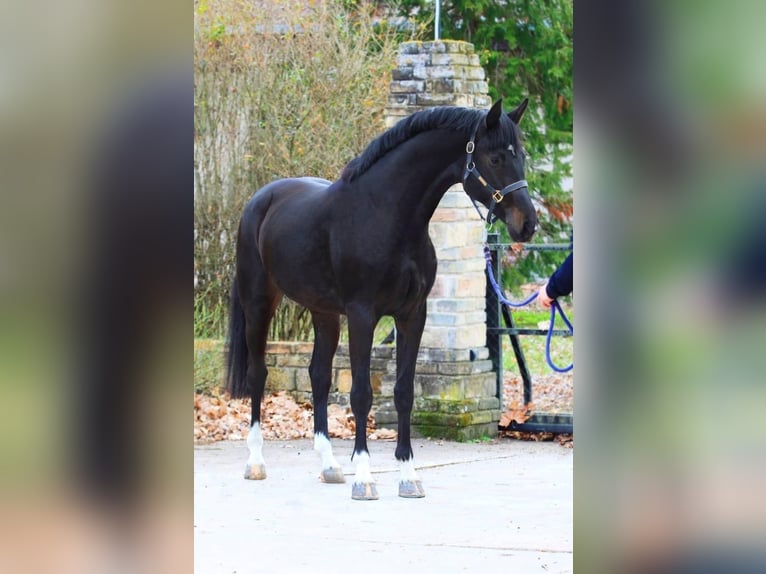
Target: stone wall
[[288, 365], [454, 389]]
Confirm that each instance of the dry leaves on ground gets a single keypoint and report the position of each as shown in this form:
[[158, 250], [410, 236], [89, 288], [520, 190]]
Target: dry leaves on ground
[[223, 418], [219, 417], [552, 393], [516, 412], [565, 440]]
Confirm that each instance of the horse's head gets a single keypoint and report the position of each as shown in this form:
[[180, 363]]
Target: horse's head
[[494, 173]]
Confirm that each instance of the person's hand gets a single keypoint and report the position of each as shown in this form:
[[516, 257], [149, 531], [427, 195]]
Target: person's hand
[[542, 297]]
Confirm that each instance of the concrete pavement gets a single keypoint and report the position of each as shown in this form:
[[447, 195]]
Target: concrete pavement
[[504, 506]]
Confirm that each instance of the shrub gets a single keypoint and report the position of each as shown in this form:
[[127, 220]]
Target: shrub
[[281, 89]]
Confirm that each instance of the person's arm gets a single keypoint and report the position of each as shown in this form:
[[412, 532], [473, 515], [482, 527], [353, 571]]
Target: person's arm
[[559, 284]]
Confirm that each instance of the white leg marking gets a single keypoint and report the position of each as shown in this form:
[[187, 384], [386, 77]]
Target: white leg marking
[[324, 448], [363, 474], [409, 483], [407, 471], [364, 486], [255, 444]]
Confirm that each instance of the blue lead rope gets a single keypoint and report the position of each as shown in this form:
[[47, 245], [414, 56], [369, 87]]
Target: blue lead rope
[[555, 308]]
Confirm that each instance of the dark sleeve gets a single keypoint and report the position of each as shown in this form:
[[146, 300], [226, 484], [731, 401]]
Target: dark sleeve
[[742, 274], [560, 283]]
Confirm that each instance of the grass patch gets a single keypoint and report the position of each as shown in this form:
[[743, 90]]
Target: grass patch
[[208, 366], [532, 316], [483, 439], [562, 348], [562, 352]]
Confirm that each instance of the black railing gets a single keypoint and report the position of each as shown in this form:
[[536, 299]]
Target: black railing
[[499, 323]]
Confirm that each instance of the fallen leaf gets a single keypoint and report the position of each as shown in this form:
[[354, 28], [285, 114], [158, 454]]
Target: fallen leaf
[[516, 413], [219, 417]]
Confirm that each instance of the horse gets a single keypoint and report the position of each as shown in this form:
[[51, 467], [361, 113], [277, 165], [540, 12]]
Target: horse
[[360, 247]]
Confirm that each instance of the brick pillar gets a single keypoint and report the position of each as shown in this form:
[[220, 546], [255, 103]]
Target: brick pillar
[[456, 315], [427, 74], [455, 388]]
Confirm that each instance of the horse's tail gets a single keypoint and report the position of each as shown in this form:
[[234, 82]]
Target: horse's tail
[[236, 369]]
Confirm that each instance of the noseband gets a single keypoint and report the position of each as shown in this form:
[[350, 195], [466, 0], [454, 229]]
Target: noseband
[[497, 195]]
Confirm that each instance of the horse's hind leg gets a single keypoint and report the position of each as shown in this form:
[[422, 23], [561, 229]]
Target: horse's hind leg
[[259, 305], [326, 333]]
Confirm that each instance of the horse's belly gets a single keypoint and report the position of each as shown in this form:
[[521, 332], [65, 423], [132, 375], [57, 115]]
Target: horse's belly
[[405, 292], [321, 303], [309, 291]]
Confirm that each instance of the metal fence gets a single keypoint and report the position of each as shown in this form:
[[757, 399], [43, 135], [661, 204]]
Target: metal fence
[[500, 323]]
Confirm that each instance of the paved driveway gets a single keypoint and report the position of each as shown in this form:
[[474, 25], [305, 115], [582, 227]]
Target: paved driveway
[[497, 507]]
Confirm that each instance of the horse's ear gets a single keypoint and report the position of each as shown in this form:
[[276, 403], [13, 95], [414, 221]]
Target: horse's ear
[[517, 114], [493, 116]]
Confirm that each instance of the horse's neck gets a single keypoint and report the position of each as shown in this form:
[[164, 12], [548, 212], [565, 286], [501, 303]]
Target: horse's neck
[[424, 168]]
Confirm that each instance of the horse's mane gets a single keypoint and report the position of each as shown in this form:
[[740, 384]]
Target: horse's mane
[[440, 117]]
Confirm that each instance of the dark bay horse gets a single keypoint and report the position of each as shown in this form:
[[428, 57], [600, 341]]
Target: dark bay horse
[[360, 247]]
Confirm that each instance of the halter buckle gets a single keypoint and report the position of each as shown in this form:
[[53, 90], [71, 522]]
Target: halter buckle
[[469, 147], [497, 196]]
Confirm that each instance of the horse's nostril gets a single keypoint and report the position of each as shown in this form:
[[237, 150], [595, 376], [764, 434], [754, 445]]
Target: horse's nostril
[[530, 228]]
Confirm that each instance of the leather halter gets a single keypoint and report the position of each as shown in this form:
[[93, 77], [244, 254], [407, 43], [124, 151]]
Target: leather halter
[[471, 169]]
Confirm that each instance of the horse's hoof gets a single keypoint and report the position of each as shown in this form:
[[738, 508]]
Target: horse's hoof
[[364, 491], [255, 471], [332, 475], [411, 489]]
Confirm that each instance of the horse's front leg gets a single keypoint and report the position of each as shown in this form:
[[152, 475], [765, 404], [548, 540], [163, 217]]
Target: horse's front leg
[[361, 323], [409, 331]]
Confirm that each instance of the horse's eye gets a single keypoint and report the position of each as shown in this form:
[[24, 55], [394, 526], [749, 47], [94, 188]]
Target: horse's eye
[[494, 160]]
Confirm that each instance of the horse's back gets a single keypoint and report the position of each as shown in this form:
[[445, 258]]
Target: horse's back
[[291, 185], [281, 197]]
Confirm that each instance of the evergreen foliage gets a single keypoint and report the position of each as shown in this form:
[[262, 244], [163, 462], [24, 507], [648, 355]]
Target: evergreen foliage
[[526, 47]]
